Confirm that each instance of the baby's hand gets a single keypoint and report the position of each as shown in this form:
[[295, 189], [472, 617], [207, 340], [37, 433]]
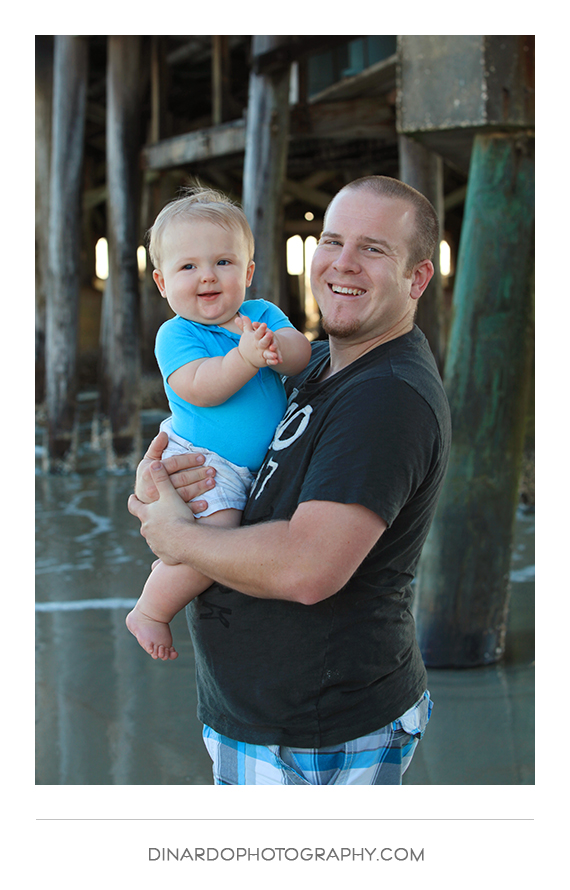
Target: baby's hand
[[256, 344], [272, 354]]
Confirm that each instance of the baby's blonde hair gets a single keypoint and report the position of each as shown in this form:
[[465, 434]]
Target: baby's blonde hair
[[203, 203]]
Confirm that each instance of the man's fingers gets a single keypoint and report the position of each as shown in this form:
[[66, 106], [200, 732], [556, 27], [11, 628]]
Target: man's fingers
[[157, 446], [161, 479], [179, 462], [193, 483], [134, 506]]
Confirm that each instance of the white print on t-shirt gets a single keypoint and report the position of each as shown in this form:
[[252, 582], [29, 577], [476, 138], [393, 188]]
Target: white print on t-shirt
[[280, 441], [295, 420]]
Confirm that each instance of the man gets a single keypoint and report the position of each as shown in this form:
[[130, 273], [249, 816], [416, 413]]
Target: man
[[308, 669]]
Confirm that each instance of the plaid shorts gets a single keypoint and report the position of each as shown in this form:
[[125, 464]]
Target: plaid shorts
[[379, 758]]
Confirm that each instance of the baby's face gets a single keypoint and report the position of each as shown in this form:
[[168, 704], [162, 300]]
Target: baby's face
[[204, 271]]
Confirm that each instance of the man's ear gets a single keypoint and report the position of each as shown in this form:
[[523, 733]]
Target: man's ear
[[421, 277], [159, 281]]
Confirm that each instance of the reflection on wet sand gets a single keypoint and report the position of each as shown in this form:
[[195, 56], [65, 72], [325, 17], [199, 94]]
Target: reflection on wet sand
[[107, 714]]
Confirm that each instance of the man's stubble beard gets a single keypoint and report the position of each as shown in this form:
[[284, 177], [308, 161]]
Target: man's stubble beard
[[340, 331]]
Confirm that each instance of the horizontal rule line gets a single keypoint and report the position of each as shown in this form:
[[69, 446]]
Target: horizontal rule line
[[308, 819]]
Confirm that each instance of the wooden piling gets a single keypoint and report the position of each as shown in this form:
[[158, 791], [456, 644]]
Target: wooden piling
[[43, 109], [423, 170], [265, 163], [121, 344], [68, 124], [220, 79], [463, 579]]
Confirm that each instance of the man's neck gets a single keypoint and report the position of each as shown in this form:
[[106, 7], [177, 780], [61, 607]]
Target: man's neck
[[344, 352]]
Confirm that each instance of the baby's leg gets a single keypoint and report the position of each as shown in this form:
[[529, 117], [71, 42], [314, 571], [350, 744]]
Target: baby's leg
[[168, 589]]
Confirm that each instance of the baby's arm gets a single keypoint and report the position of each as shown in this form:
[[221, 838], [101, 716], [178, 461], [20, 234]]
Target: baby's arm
[[206, 382], [294, 350], [287, 349]]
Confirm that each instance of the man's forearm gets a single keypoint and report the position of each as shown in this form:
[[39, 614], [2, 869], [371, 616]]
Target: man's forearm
[[219, 554], [305, 559]]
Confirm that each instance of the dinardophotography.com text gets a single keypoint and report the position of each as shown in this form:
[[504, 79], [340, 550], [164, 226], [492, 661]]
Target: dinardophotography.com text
[[285, 854]]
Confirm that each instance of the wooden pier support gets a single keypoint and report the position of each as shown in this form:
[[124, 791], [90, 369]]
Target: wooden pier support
[[121, 345], [43, 96], [423, 170], [68, 124], [463, 578], [265, 165]]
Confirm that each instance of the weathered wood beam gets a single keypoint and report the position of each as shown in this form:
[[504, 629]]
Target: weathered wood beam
[[463, 579], [290, 49], [121, 330], [265, 164], [423, 170], [220, 79], [355, 119], [199, 145], [43, 109], [366, 118], [158, 87], [302, 191], [68, 126], [377, 78]]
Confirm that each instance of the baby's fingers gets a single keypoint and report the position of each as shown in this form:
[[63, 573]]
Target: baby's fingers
[[272, 355], [243, 322], [261, 331]]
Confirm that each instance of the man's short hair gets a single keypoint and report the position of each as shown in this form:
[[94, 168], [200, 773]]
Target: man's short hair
[[426, 236], [195, 203]]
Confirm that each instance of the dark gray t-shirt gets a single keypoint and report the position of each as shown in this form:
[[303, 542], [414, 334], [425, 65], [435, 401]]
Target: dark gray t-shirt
[[274, 672]]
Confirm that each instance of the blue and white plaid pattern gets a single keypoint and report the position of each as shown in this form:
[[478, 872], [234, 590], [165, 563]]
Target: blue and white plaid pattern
[[379, 758]]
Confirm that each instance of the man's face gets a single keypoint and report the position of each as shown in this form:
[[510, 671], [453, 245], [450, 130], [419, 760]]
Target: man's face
[[359, 273]]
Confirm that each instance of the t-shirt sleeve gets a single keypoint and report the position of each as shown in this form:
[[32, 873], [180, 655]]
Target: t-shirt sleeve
[[175, 346], [376, 449], [267, 312]]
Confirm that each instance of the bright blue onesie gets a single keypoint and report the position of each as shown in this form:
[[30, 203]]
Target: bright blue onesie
[[240, 429]]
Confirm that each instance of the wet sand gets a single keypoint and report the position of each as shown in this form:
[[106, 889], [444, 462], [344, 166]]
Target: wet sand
[[107, 714]]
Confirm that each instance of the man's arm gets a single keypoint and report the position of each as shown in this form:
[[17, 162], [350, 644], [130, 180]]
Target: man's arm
[[304, 560]]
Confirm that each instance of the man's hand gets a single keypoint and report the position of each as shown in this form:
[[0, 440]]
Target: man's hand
[[164, 517], [187, 475]]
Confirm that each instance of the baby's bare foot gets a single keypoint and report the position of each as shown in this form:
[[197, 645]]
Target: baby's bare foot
[[154, 636]]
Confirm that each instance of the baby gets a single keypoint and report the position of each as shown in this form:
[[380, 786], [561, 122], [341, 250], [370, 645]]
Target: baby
[[222, 361]]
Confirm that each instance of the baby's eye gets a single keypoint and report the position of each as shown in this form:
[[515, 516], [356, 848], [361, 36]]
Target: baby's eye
[[223, 262], [189, 266]]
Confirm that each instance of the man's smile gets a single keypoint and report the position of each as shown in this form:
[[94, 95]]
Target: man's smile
[[347, 291]]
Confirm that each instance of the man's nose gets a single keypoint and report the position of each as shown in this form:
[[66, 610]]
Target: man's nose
[[347, 260]]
